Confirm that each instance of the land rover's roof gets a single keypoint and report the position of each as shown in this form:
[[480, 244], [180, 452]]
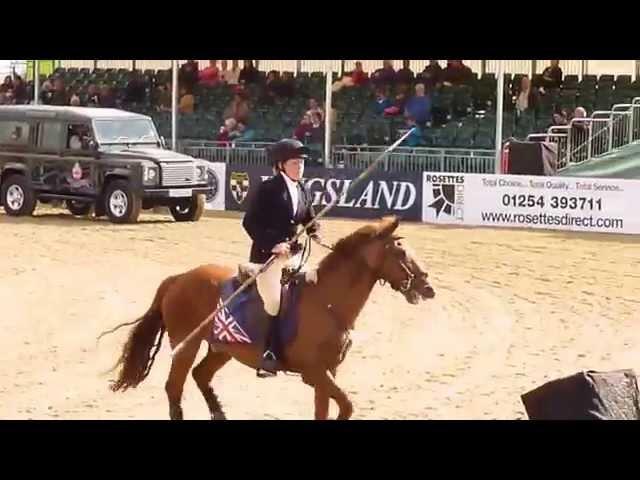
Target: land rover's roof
[[65, 113]]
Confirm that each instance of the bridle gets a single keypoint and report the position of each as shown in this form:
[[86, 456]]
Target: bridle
[[405, 285]]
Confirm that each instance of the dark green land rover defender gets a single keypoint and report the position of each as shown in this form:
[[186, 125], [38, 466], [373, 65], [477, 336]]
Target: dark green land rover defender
[[106, 160]]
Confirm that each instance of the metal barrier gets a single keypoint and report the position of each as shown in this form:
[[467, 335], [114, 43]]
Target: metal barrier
[[238, 155], [585, 138], [405, 159]]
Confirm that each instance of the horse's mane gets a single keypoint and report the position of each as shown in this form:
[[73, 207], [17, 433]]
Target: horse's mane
[[349, 246]]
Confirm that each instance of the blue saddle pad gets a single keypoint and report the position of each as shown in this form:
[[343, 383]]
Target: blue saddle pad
[[244, 319]]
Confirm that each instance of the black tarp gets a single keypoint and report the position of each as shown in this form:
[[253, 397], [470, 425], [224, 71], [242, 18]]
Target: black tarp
[[586, 395]]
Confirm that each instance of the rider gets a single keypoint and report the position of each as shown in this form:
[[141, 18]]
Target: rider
[[280, 204]]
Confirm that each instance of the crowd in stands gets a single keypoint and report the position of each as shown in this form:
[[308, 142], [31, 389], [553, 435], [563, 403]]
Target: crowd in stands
[[449, 105]]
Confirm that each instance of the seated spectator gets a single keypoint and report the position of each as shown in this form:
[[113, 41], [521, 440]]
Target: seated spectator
[[314, 108], [303, 130], [238, 109], [560, 117], [286, 88], [381, 102], [431, 75], [60, 95], [418, 107], [384, 76], [74, 101], [359, 76], [209, 77], [163, 97], [245, 133], [230, 77], [525, 97], [317, 129], [249, 74], [93, 96], [416, 137], [399, 102], [6, 85], [551, 76], [228, 132], [136, 91], [187, 101], [107, 99], [405, 74], [46, 92], [8, 98], [20, 91], [270, 88], [456, 73], [188, 75]]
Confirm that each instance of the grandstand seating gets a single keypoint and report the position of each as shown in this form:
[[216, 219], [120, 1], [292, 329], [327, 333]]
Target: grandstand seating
[[464, 116]]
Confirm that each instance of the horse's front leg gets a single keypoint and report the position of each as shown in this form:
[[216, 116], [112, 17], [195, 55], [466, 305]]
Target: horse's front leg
[[325, 388]]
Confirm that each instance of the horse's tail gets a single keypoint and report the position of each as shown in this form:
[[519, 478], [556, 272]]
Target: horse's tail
[[143, 344]]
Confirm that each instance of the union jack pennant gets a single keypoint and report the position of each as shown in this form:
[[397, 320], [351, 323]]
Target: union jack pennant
[[226, 329]]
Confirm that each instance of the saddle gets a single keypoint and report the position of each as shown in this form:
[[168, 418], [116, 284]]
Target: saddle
[[249, 270]]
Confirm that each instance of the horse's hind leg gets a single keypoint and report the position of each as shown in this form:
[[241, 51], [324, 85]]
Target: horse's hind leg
[[180, 366], [203, 373]]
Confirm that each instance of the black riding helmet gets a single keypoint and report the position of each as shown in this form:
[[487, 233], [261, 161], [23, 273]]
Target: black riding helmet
[[287, 149]]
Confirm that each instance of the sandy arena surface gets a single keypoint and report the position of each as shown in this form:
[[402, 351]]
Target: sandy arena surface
[[513, 309]]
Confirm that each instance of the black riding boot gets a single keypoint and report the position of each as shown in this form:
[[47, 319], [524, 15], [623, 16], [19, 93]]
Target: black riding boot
[[269, 362]]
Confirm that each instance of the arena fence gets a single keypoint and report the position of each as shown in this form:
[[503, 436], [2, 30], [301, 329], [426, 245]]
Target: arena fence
[[351, 156]]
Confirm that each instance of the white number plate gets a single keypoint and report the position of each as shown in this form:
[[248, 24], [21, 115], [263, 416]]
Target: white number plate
[[183, 192]]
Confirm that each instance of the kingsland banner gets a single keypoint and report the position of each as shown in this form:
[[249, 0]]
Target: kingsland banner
[[381, 193]]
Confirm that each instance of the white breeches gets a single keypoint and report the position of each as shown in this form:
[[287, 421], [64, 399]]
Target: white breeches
[[268, 283]]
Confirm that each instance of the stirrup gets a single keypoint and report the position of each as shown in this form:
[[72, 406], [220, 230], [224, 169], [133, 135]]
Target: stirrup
[[270, 362]]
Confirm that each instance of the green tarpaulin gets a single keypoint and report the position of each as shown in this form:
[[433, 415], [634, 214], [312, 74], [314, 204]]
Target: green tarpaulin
[[623, 162]]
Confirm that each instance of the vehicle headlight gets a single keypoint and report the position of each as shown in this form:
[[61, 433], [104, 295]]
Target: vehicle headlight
[[201, 173], [150, 175]]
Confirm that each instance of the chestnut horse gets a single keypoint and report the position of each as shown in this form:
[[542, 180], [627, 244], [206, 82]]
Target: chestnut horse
[[328, 307]]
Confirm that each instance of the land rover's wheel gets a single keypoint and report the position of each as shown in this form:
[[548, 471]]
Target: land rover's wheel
[[78, 208], [121, 203], [189, 210], [18, 197]]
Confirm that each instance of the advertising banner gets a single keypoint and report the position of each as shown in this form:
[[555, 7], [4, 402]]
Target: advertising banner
[[561, 203]]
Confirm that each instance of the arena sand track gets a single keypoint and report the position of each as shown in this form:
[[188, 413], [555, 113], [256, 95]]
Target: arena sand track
[[513, 309]]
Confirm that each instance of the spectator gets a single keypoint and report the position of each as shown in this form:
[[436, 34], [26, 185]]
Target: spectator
[[525, 97], [93, 96], [249, 74], [60, 96], [456, 73], [270, 88], [432, 75], [187, 101], [9, 98], [381, 102], [74, 101], [560, 117], [136, 91], [399, 102], [551, 76], [230, 77], [419, 106], [303, 130], [316, 135], [416, 137], [107, 98], [314, 107], [46, 93], [20, 91], [405, 74], [188, 75], [6, 85], [209, 77], [359, 76], [238, 109], [163, 97], [245, 133], [228, 131], [385, 75], [286, 88]]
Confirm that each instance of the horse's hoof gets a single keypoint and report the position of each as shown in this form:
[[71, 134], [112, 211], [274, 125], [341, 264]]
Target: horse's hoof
[[219, 415]]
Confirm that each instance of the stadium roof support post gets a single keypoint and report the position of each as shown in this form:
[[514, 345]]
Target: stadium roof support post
[[133, 65], [95, 65], [174, 105], [636, 70], [36, 81], [499, 108], [534, 67], [327, 117], [298, 67], [483, 67], [584, 68]]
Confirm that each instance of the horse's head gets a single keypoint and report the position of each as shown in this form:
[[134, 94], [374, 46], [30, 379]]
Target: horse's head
[[395, 263]]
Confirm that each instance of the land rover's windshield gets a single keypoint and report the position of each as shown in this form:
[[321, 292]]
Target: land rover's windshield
[[125, 132]]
